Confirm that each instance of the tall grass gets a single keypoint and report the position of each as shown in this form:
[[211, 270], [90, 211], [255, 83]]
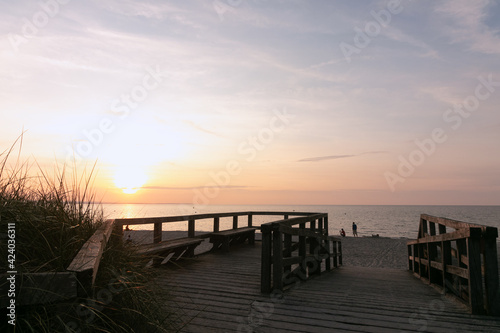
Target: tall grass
[[54, 215]]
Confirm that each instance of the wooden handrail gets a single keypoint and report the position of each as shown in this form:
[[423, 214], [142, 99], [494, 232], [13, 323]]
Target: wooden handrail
[[86, 263], [284, 262], [462, 261], [191, 219], [87, 260]]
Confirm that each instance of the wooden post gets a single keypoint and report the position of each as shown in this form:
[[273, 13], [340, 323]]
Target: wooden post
[[157, 233], [216, 224], [302, 250], [325, 224], [266, 264], [191, 227], [446, 260], [334, 253], [235, 222], [117, 234], [287, 252], [410, 261], [277, 259], [423, 225], [328, 263], [250, 220], [474, 272], [491, 276], [340, 252]]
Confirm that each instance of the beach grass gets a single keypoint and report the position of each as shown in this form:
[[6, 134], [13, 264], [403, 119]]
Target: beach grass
[[54, 214]]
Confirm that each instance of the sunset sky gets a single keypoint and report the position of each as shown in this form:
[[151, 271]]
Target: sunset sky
[[259, 101]]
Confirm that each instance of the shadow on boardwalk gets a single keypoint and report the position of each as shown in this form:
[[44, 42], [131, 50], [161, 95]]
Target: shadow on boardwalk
[[220, 292]]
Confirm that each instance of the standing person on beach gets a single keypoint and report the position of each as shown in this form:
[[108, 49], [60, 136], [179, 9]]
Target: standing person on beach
[[354, 229]]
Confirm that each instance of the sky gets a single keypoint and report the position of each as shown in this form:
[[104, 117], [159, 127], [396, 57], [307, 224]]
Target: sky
[[258, 101]]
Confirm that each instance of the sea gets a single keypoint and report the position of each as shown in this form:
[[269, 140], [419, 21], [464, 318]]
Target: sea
[[396, 221]]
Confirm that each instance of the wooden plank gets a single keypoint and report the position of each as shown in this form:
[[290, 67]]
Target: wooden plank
[[166, 246], [351, 299], [86, 262], [458, 271]]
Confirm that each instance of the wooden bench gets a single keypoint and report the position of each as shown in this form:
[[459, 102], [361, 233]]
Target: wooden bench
[[175, 247], [223, 239]]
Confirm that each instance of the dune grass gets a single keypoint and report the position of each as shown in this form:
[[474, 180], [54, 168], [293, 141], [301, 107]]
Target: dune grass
[[54, 215]]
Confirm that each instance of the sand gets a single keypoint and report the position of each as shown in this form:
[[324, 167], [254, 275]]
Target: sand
[[378, 252]]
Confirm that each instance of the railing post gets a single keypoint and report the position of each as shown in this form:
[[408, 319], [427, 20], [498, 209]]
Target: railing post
[[157, 233], [446, 260], [250, 220], [474, 272], [266, 264], [340, 252], [277, 259], [410, 261], [216, 224], [191, 227], [235, 221], [287, 252], [491, 273]]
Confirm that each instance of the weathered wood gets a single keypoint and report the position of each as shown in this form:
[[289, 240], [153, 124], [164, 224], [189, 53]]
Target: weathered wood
[[471, 244], [277, 259], [86, 262], [157, 233], [216, 224], [491, 280], [265, 275], [223, 239], [351, 299], [191, 227], [476, 301]]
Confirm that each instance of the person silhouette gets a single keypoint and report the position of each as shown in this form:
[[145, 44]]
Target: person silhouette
[[354, 229]]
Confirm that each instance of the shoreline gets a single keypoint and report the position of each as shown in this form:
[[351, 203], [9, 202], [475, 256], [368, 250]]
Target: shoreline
[[381, 252], [363, 251]]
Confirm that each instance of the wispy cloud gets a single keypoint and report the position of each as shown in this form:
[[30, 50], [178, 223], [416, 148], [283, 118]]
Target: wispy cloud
[[336, 157], [466, 24]]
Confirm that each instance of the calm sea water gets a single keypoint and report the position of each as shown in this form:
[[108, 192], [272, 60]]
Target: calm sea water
[[387, 221]]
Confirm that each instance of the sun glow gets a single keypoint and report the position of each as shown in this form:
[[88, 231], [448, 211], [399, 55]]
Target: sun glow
[[130, 178]]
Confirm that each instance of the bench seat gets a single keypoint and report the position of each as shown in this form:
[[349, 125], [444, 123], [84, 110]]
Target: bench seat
[[223, 239], [178, 247]]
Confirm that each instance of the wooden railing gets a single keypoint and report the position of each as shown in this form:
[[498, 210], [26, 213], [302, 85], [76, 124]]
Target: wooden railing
[[460, 258], [86, 263], [286, 260]]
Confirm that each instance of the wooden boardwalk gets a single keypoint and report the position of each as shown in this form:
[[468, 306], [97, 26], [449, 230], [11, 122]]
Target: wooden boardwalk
[[220, 292]]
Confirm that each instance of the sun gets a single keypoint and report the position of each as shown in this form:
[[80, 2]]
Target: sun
[[130, 178]]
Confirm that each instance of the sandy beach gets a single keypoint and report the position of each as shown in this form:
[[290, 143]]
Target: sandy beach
[[378, 252]]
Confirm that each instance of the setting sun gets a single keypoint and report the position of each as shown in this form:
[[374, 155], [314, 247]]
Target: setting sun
[[130, 178]]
